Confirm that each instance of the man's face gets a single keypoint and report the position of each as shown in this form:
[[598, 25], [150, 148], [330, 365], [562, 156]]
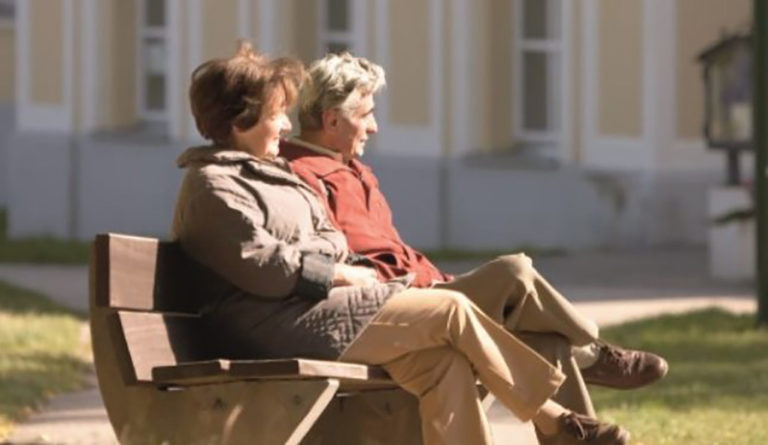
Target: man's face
[[352, 130]]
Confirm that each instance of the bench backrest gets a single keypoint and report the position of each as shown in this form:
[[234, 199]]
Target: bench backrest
[[146, 291]]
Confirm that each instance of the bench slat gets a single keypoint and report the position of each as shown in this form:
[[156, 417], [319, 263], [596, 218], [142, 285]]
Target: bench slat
[[139, 273], [351, 375], [154, 339]]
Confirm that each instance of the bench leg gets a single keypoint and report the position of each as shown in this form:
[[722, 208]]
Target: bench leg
[[263, 412]]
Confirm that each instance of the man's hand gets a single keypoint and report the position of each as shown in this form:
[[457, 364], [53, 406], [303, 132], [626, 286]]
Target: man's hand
[[345, 275]]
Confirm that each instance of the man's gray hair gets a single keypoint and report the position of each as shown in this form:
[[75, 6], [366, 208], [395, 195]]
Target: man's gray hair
[[337, 81]]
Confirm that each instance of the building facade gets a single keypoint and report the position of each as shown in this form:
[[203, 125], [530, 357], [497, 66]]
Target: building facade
[[552, 123]]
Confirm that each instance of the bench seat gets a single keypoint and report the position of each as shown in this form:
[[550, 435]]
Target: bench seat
[[352, 377]]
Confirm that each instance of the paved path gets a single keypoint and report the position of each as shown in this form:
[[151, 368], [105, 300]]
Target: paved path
[[609, 287]]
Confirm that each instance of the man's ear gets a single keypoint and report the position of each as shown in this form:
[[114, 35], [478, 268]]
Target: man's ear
[[330, 119]]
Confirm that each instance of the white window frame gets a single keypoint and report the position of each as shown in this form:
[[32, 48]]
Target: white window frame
[[354, 37], [143, 32], [559, 91]]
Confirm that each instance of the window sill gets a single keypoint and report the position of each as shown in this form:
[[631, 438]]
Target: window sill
[[513, 159], [143, 133]]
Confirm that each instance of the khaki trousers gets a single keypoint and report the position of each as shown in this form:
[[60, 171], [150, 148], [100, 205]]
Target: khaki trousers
[[511, 292], [433, 342]]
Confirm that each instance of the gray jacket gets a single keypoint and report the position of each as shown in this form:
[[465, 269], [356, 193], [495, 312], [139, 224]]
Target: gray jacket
[[264, 232]]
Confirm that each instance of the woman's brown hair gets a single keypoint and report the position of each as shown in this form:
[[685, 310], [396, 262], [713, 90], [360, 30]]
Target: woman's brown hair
[[237, 90]]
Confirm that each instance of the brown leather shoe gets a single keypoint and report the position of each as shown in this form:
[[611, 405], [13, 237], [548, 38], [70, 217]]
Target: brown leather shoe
[[620, 368], [580, 429]]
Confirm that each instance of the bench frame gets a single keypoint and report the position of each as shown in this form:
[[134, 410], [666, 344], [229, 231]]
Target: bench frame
[[159, 387]]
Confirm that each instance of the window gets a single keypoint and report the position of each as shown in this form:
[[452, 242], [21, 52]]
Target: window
[[335, 26], [152, 56], [7, 12], [537, 69]]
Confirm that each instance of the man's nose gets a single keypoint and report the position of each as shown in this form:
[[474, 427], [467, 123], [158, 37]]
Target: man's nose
[[373, 127]]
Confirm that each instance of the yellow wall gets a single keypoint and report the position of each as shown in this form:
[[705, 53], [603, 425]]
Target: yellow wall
[[46, 24], [448, 103], [620, 65], [498, 79], [574, 145], [117, 54], [305, 30], [8, 66], [220, 28], [699, 24], [410, 63]]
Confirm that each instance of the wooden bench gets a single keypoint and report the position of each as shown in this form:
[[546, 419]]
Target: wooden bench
[[163, 381]]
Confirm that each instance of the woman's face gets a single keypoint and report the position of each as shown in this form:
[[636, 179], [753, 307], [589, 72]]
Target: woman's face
[[263, 139]]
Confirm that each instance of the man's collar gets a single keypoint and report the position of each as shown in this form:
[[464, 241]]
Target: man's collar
[[316, 148]]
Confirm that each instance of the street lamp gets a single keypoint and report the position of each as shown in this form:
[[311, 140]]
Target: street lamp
[[727, 69]]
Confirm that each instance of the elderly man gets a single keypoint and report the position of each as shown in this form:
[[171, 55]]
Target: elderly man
[[336, 113]]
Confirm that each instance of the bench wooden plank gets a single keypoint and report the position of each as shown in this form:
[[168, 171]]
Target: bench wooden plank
[[140, 273], [154, 339], [351, 375]]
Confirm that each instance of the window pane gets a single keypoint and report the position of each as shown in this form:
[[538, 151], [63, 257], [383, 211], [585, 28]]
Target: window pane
[[155, 13], [535, 66], [154, 97], [7, 9], [535, 19], [338, 15], [154, 56], [337, 47], [541, 19]]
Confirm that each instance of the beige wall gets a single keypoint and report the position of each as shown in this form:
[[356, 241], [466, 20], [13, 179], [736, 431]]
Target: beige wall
[[498, 79], [699, 24], [8, 66], [305, 30], [220, 28], [46, 25], [117, 54], [620, 53], [448, 103], [410, 63], [574, 145], [490, 79]]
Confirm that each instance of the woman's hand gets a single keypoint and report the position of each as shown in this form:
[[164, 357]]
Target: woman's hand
[[345, 275]]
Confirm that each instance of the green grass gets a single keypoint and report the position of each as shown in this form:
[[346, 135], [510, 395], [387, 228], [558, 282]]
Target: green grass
[[40, 249], [40, 353], [716, 392]]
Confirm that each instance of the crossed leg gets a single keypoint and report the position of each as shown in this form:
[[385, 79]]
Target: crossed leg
[[433, 343]]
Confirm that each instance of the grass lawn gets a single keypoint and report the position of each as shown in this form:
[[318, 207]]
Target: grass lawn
[[716, 392], [40, 353], [40, 249]]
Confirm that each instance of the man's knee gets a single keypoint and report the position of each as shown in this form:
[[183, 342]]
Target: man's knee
[[517, 262], [518, 268]]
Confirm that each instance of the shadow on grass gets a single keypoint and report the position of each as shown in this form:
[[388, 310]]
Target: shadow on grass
[[15, 300], [30, 377], [716, 358]]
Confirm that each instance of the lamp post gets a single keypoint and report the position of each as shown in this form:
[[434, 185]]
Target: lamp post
[[760, 114], [728, 70]]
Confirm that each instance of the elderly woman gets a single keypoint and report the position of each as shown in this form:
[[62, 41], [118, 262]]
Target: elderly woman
[[290, 288]]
